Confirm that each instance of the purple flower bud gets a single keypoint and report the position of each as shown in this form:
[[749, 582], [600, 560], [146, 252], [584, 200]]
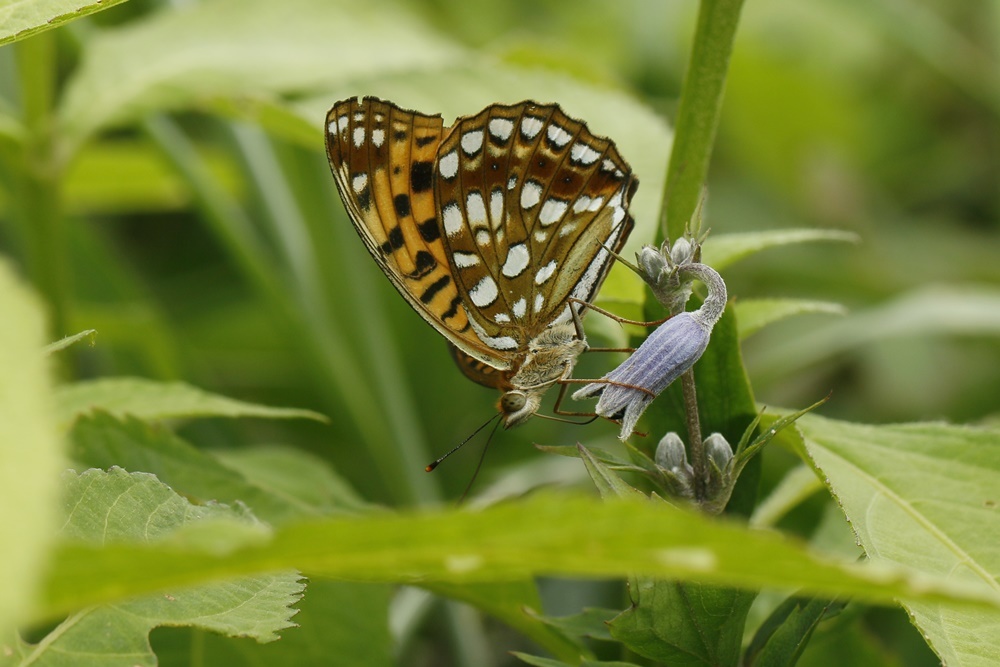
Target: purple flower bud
[[669, 351]]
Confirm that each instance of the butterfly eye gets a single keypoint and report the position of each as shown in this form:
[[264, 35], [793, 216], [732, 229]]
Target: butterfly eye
[[512, 401]]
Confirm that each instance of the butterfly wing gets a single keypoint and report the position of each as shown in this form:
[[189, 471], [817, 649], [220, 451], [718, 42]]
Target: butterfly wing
[[528, 198], [382, 158]]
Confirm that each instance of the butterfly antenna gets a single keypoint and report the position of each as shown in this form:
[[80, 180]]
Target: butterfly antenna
[[457, 447], [482, 457]]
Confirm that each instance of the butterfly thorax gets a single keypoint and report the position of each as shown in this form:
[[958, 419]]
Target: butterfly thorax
[[550, 358]]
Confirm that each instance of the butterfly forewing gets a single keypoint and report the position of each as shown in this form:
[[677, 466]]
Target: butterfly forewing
[[528, 196], [382, 159]]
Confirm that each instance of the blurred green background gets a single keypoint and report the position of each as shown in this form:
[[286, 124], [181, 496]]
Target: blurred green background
[[203, 248]]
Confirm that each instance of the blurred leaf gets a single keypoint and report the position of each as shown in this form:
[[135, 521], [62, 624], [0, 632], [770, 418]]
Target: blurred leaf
[[148, 399], [127, 176], [545, 534], [548, 662], [722, 250], [277, 486], [591, 623], [515, 602], [923, 496], [63, 343], [23, 18], [30, 449], [943, 310], [230, 48], [755, 314], [116, 507]]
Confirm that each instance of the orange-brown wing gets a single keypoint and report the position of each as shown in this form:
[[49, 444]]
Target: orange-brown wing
[[383, 158]]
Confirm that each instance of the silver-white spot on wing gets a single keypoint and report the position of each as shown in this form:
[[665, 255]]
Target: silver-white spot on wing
[[517, 261], [378, 137], [475, 209], [552, 211], [545, 272], [558, 135], [531, 193], [496, 342], [583, 154], [501, 128], [531, 126], [465, 260], [448, 165], [484, 292], [359, 182], [359, 136], [519, 308], [472, 141], [451, 217]]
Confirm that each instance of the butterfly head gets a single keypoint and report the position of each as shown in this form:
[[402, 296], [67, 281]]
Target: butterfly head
[[518, 405]]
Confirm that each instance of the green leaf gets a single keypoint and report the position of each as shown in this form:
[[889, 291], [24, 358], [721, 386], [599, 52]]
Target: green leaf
[[30, 449], [336, 618], [959, 310], [547, 662], [722, 250], [117, 507], [276, 484], [923, 496], [148, 399], [544, 534], [668, 622], [23, 18], [785, 634], [592, 623], [755, 314], [515, 602], [178, 58], [608, 483]]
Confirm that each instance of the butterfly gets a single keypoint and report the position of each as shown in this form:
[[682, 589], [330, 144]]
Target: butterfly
[[494, 229]]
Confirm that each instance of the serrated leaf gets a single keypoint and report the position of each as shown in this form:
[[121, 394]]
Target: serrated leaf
[[148, 399], [542, 535], [30, 449], [722, 250], [924, 496], [336, 618], [23, 18], [755, 314], [277, 484], [682, 623], [118, 508]]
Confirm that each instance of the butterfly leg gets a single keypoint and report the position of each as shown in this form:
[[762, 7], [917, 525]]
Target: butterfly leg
[[618, 318]]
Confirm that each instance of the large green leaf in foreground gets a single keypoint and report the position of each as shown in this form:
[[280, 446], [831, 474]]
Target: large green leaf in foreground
[[925, 496], [546, 534], [115, 507]]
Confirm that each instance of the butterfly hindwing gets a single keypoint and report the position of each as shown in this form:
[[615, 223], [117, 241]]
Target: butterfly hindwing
[[528, 196]]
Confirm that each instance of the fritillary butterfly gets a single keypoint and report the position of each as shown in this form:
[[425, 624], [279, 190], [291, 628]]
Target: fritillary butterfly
[[491, 229]]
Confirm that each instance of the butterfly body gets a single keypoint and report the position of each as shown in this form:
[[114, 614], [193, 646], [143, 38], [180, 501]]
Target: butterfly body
[[488, 228]]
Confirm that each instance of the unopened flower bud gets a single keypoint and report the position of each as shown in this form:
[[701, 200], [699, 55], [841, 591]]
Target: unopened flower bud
[[682, 251], [652, 265], [719, 451], [670, 452]]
